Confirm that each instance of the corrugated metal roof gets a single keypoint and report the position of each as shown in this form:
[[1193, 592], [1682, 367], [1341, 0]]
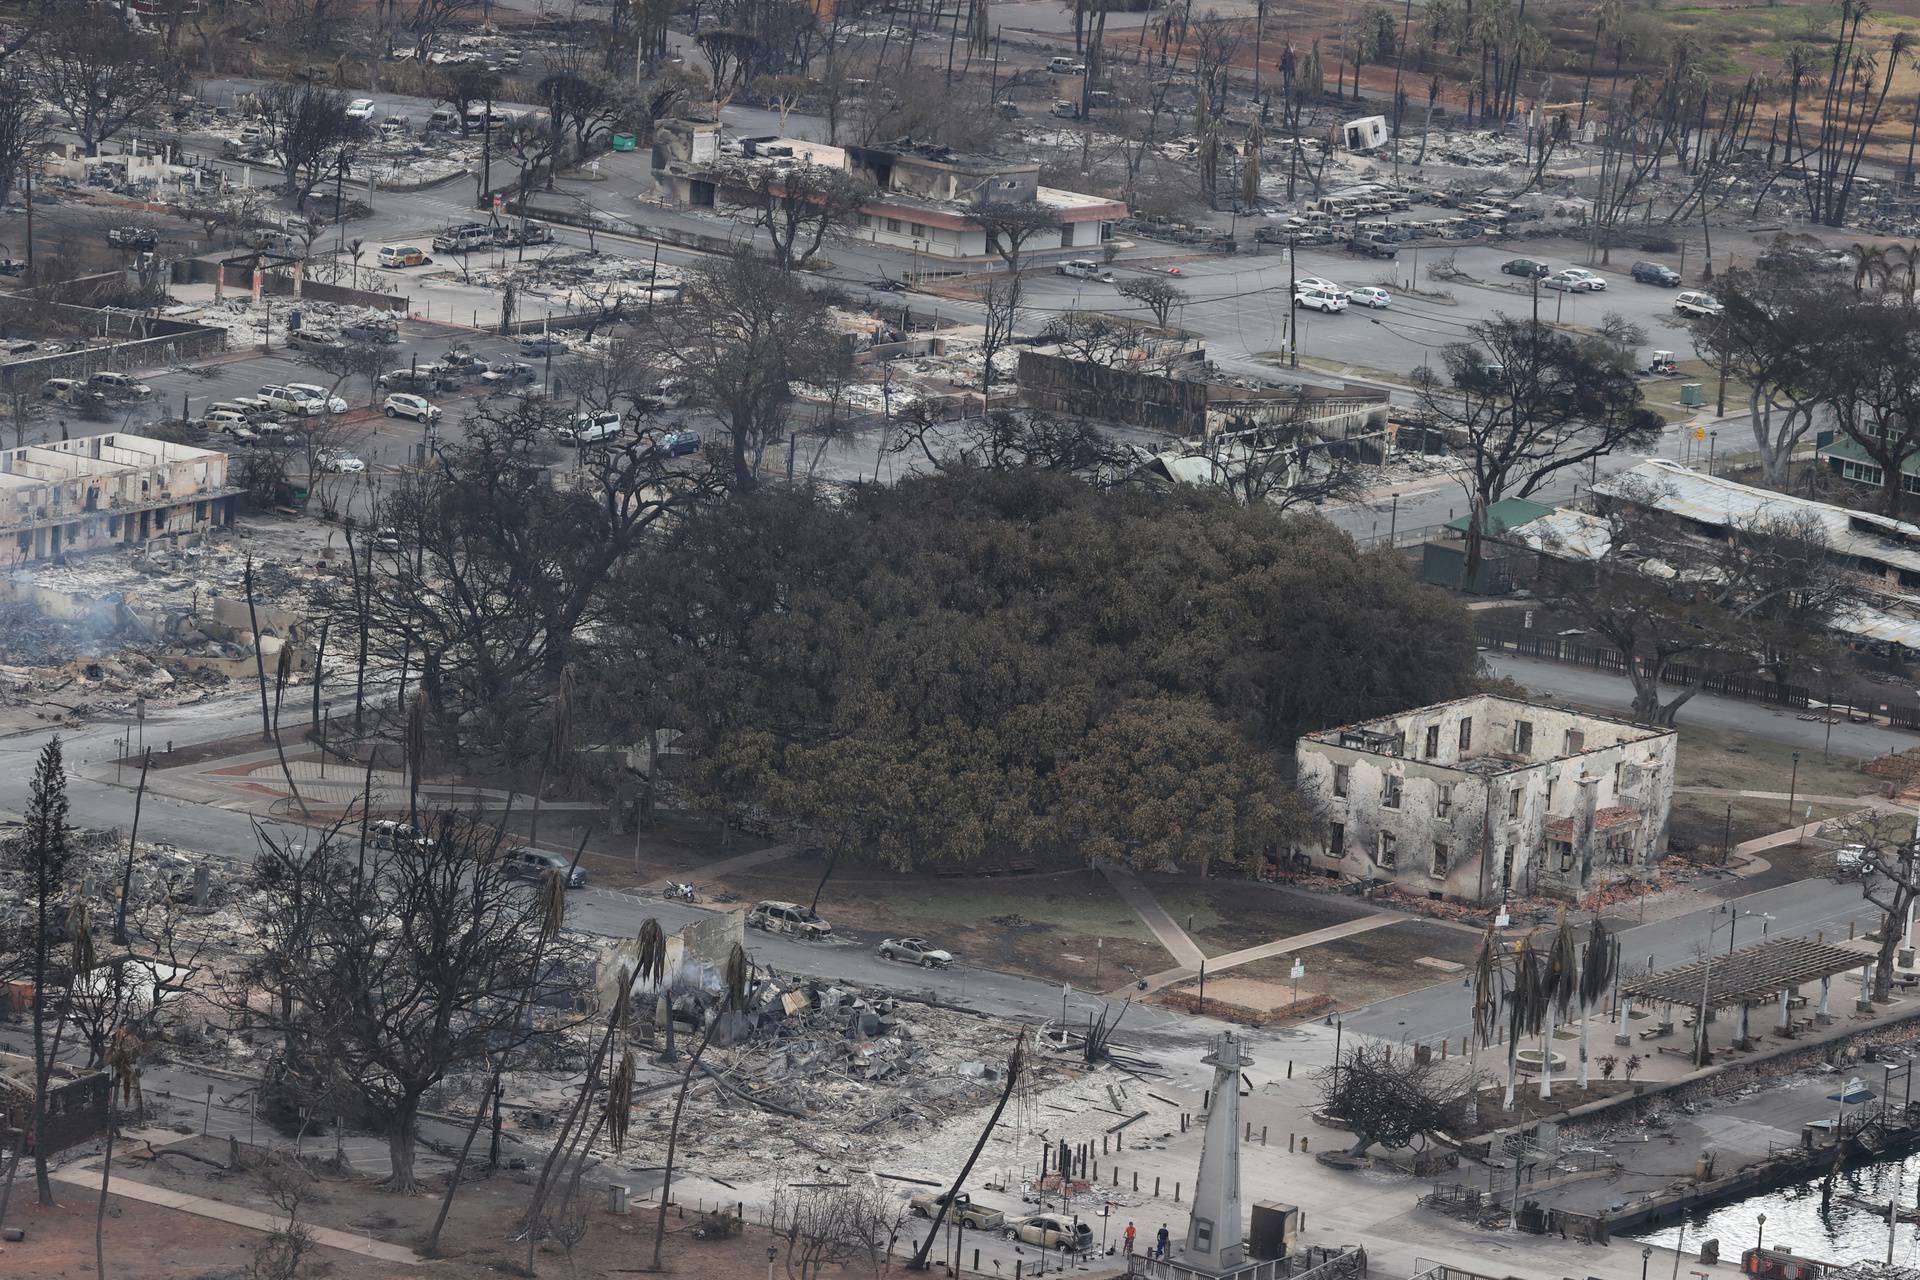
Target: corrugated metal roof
[[1714, 500], [1508, 513], [1565, 534]]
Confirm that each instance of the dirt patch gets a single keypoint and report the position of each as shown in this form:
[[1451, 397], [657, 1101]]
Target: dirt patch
[[1230, 915], [1371, 966], [1703, 825], [1065, 926], [141, 1240]]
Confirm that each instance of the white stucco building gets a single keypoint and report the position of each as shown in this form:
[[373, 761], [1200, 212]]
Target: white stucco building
[[1487, 797]]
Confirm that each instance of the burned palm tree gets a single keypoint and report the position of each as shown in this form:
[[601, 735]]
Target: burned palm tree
[[1527, 998], [123, 1060], [1562, 982], [733, 997], [1599, 962], [1486, 1009], [552, 916]]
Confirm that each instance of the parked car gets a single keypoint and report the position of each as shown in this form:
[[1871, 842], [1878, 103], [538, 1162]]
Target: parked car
[[231, 422], [118, 386], [916, 951], [404, 405], [288, 400], [1572, 281], [1059, 66], [1371, 247], [464, 238], [676, 444], [133, 238], [327, 400], [1321, 283], [974, 1217], [1084, 269], [69, 391], [509, 373], [523, 863], [1695, 304], [379, 332], [403, 255], [360, 109], [1051, 1231], [311, 340], [788, 917], [1370, 296], [339, 460], [426, 377], [389, 834], [1319, 300], [1530, 268], [542, 344], [1655, 273], [596, 427], [511, 234]]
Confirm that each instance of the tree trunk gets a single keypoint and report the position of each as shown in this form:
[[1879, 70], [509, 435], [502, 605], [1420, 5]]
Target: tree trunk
[[401, 1137], [1546, 1060], [100, 1212], [673, 1141]]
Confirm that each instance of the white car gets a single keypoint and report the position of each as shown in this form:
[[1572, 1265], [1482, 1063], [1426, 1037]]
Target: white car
[[341, 461], [1378, 299], [360, 109], [419, 408], [1320, 283], [334, 404], [1575, 280], [1697, 304], [1319, 300]]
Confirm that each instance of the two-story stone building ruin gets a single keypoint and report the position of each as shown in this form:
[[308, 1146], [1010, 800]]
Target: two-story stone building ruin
[[1487, 797], [69, 497]]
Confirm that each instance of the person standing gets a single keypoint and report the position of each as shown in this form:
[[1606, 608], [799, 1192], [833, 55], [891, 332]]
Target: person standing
[[1164, 1240], [1129, 1239]]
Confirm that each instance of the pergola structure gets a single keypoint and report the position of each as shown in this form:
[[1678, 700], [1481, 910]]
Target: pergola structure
[[1773, 969]]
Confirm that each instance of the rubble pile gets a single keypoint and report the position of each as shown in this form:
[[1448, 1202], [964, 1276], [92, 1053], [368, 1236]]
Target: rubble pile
[[582, 280], [165, 623]]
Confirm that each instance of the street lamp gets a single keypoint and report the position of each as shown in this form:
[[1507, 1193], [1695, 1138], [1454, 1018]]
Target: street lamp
[[1646, 1255], [773, 1251], [1760, 1236]]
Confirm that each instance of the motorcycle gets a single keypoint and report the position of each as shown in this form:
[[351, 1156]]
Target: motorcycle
[[678, 892]]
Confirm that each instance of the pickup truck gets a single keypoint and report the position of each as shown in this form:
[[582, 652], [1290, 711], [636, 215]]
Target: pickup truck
[[975, 1217]]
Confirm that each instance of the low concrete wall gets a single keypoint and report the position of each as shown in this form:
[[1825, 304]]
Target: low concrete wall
[[280, 285], [158, 342]]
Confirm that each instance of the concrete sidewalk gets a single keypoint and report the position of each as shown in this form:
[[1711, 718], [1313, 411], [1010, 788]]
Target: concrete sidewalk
[[1154, 916]]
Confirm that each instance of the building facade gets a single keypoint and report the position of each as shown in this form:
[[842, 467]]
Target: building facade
[[923, 195], [70, 497], [1487, 798]]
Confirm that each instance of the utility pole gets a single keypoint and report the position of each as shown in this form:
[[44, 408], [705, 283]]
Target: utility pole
[[1293, 306]]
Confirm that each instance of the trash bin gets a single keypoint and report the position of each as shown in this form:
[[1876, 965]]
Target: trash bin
[[623, 142], [1691, 396]]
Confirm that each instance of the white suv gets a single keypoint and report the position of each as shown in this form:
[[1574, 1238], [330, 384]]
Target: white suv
[[419, 408], [1321, 284], [1319, 300], [289, 400], [1697, 304]]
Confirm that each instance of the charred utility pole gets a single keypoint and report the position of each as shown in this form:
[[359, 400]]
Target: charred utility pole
[[486, 152]]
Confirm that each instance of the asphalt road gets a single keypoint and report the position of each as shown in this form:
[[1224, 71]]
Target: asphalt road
[[98, 800], [1802, 909]]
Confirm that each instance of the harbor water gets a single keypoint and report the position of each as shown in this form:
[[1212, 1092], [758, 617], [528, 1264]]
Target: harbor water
[[1795, 1222]]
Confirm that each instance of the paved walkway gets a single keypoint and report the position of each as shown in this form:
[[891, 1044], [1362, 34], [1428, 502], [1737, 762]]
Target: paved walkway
[[1154, 916], [219, 1210], [713, 870]]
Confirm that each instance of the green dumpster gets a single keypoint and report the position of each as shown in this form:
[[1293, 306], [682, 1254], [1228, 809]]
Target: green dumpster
[[623, 142], [1691, 396]]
